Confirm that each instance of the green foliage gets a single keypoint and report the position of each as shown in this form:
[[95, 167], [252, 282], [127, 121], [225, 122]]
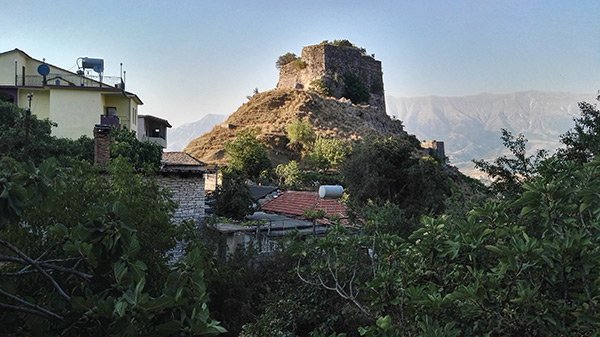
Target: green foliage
[[80, 265], [508, 173], [344, 43], [142, 155], [299, 64], [328, 153], [355, 90], [289, 175], [247, 155], [233, 198], [582, 142], [285, 59], [300, 133], [387, 169], [26, 138]]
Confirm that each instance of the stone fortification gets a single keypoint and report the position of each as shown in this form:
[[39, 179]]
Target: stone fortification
[[325, 68]]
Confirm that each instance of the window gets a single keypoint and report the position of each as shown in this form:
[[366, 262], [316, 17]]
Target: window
[[111, 111]]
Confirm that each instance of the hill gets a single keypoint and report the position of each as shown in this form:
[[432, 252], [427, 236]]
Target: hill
[[470, 125], [269, 113]]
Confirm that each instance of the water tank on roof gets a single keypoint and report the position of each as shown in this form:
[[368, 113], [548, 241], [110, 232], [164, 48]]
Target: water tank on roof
[[331, 191], [92, 63]]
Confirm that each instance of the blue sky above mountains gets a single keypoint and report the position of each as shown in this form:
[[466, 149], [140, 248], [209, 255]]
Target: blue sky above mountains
[[189, 58]]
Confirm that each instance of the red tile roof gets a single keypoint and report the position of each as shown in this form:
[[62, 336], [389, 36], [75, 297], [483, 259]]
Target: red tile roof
[[296, 202]]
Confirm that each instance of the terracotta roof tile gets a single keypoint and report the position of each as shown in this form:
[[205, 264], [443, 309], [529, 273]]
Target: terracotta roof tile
[[296, 202]]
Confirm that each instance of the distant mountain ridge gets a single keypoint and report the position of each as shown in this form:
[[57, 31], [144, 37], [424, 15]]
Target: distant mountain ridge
[[179, 137], [470, 125]]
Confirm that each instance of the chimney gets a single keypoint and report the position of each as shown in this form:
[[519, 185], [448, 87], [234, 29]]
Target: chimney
[[101, 145]]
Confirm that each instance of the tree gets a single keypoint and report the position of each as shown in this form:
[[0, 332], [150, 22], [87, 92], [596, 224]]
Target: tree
[[285, 59], [233, 198], [301, 135], [328, 153], [389, 169], [24, 137], [247, 155], [289, 174], [142, 155], [80, 270], [509, 173], [583, 141]]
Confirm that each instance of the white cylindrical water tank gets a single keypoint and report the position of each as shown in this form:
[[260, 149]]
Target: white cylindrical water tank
[[331, 191]]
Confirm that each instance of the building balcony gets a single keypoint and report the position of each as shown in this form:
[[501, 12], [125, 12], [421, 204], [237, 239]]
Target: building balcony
[[157, 140], [110, 120]]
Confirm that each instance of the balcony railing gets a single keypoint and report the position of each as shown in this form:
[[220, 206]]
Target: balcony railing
[[157, 140], [110, 120], [69, 80]]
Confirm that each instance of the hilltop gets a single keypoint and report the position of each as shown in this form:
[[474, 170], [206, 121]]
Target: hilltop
[[334, 85], [268, 113]]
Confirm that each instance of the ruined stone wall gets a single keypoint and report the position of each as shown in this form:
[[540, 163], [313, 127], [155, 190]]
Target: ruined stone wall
[[329, 64], [188, 192]]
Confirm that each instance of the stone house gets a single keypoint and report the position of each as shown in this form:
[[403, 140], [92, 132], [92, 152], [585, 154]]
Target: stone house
[[184, 176]]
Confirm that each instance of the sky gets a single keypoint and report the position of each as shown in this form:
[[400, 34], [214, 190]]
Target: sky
[[186, 59]]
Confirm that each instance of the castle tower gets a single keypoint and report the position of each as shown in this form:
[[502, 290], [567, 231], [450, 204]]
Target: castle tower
[[338, 71]]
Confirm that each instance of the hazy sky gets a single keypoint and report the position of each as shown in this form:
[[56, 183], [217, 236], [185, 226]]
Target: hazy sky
[[189, 58]]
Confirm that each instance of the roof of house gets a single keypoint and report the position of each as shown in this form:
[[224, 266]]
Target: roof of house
[[181, 162], [296, 202], [259, 192], [156, 119], [105, 88], [180, 159]]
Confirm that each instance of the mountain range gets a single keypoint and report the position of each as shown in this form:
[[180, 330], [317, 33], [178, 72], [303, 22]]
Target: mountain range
[[470, 126], [181, 136]]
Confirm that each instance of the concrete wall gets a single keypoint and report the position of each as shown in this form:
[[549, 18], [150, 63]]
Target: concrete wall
[[75, 111], [125, 107], [7, 67], [188, 193], [40, 102]]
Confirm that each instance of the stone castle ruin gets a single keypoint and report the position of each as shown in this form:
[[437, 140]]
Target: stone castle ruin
[[337, 69]]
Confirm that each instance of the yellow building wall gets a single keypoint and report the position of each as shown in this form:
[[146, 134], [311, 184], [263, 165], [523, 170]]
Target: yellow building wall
[[40, 102], [122, 104], [75, 111], [7, 67]]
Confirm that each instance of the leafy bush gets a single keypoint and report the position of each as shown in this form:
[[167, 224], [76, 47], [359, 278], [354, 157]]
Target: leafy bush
[[285, 59], [289, 174], [82, 255], [24, 137], [328, 153], [142, 155], [301, 134], [233, 198], [247, 155]]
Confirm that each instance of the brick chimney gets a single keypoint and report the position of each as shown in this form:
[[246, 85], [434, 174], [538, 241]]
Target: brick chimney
[[101, 145]]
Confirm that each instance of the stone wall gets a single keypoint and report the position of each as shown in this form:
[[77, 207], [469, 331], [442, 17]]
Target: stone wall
[[435, 148], [188, 192], [329, 64]]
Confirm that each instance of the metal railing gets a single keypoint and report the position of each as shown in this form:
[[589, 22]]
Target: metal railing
[[69, 80]]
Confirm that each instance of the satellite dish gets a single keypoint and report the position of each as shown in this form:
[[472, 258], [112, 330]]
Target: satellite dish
[[43, 69]]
